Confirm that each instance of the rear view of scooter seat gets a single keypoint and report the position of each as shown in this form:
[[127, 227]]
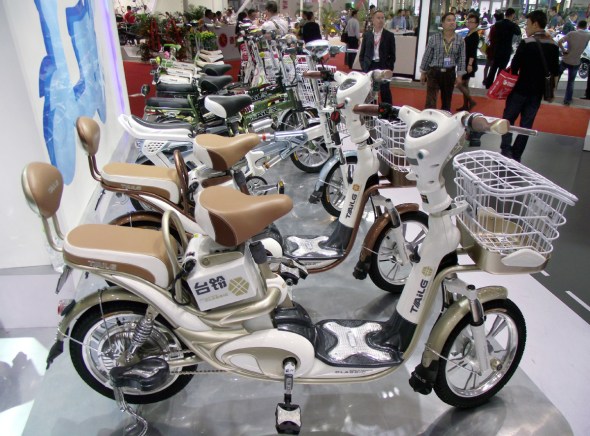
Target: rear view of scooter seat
[[156, 180], [138, 252], [153, 179], [231, 217], [220, 152]]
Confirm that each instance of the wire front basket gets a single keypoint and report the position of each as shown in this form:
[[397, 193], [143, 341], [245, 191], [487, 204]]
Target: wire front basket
[[305, 88], [511, 207], [392, 151]]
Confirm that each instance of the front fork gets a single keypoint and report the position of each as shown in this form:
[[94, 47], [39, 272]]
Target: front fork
[[453, 288]]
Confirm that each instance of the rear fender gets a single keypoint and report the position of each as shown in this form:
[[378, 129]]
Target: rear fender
[[331, 163], [109, 295], [378, 226]]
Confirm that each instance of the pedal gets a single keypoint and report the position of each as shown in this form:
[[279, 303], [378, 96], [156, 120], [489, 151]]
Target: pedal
[[288, 418], [315, 197], [288, 415]]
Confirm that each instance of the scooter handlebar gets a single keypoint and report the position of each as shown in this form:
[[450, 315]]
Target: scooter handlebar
[[312, 74], [523, 131], [382, 110], [366, 109]]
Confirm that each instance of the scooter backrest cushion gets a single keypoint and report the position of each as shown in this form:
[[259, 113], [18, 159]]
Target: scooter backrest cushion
[[89, 134], [42, 185]]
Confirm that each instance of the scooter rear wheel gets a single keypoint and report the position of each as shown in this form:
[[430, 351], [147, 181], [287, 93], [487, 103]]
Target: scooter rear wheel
[[384, 269], [505, 330], [104, 346]]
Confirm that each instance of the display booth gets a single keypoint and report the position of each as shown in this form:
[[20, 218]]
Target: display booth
[[67, 64]]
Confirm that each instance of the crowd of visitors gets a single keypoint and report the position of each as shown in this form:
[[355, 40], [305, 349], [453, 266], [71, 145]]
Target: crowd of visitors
[[450, 58]]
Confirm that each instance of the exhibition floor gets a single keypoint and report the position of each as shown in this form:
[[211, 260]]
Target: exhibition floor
[[547, 396]]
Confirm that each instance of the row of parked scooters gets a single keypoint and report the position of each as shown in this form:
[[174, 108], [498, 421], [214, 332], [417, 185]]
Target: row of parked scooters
[[201, 274]]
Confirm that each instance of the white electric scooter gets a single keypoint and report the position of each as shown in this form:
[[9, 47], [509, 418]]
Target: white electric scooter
[[220, 303]]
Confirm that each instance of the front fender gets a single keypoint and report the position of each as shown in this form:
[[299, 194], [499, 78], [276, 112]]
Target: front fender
[[114, 293], [380, 223], [331, 163], [449, 320]]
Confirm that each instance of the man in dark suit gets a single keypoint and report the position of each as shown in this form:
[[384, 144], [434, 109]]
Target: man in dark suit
[[506, 31], [378, 51]]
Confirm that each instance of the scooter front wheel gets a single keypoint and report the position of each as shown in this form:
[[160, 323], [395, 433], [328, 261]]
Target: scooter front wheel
[[106, 337], [457, 382], [384, 270]]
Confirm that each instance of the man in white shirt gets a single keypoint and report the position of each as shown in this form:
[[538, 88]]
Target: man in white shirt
[[576, 44], [273, 21]]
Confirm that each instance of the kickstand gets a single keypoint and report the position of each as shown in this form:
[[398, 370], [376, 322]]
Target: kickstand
[[137, 428], [288, 416]]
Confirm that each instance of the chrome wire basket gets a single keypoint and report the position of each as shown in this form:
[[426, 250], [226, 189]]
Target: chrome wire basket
[[305, 89], [512, 211], [392, 150]]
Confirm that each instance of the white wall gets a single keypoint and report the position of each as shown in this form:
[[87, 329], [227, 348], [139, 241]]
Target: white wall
[[23, 49]]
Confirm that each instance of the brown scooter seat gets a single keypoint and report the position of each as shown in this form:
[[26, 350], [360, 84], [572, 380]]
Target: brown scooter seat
[[134, 251], [156, 180], [231, 217], [221, 152]]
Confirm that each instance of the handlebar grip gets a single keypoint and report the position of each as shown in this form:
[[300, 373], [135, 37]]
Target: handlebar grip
[[479, 124], [312, 74], [366, 109], [379, 75]]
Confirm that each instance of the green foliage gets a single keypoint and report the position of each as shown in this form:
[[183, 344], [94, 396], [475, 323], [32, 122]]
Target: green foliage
[[194, 13]]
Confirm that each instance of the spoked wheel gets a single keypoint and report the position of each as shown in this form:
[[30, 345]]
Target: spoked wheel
[[384, 270], [457, 382], [335, 186], [583, 70], [254, 183], [311, 156], [106, 338]]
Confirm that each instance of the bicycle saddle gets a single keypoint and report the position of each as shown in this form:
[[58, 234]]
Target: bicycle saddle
[[231, 217], [179, 88], [162, 126], [220, 152], [139, 252], [165, 102], [216, 69], [211, 84], [227, 106]]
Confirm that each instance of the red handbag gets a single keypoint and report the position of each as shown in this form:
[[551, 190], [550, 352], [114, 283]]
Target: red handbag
[[503, 85]]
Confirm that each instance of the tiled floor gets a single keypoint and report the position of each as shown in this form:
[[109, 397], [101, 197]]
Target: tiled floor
[[547, 395]]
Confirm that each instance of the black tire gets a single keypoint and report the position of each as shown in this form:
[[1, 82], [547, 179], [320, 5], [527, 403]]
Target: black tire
[[583, 70], [384, 271], [334, 189], [292, 122], [120, 317], [312, 156], [253, 183], [500, 315]]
